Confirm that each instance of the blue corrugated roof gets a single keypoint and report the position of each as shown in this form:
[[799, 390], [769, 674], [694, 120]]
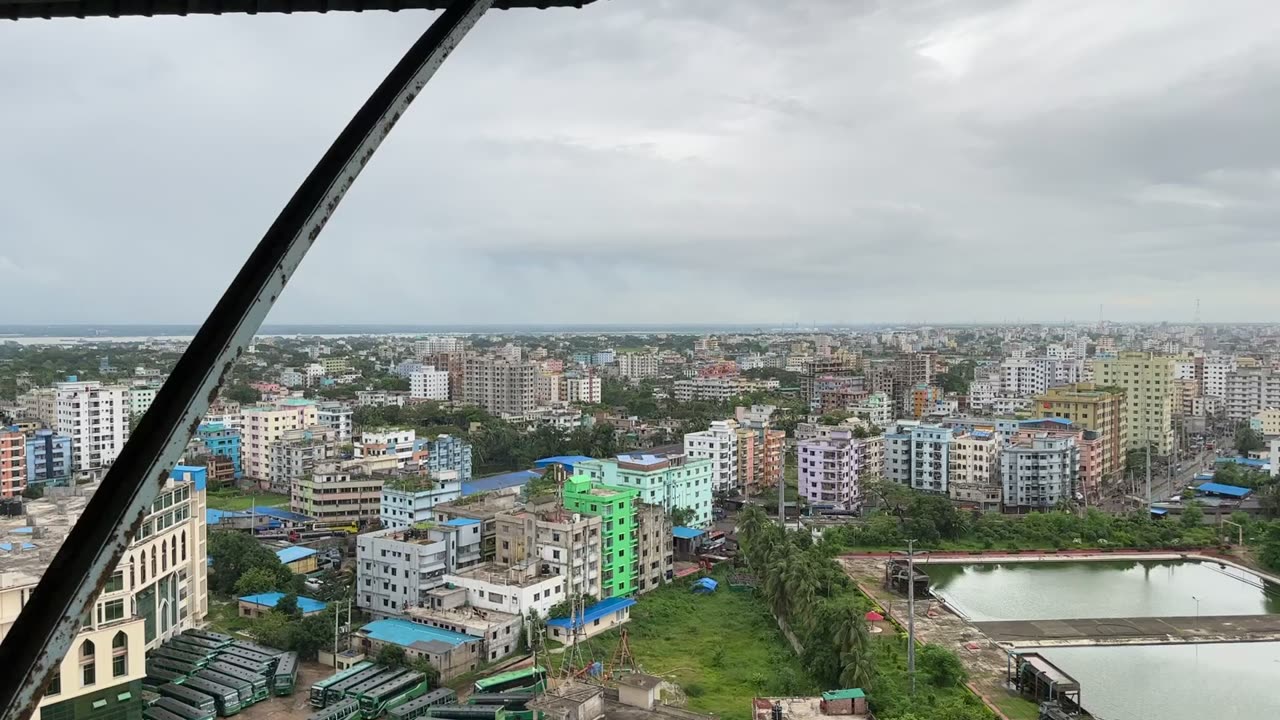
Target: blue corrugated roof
[[498, 482], [1159, 511], [294, 553], [1250, 462], [595, 612], [686, 533], [406, 633], [286, 515], [305, 604], [8, 547], [1214, 488], [1057, 420], [643, 459], [569, 460]]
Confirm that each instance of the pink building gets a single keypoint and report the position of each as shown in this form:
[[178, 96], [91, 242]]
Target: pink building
[[1090, 443], [724, 368], [13, 463]]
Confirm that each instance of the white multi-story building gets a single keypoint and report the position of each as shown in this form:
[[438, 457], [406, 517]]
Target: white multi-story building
[[877, 409], [381, 398], [96, 418], [263, 425], [437, 344], [429, 384], [158, 589], [1028, 376], [510, 589], [581, 388], [1038, 471], [918, 456], [385, 442], [409, 499], [719, 444], [395, 567], [337, 416], [1250, 390], [638, 366], [1213, 374]]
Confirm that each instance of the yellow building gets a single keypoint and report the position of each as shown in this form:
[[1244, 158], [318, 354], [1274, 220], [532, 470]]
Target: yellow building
[[973, 469], [1147, 380], [1089, 407], [1266, 422], [333, 365]]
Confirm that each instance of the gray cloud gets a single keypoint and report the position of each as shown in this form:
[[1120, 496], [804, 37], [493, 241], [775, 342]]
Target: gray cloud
[[686, 160]]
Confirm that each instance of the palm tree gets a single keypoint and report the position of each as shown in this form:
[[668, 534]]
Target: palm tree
[[801, 581], [750, 523], [775, 580], [853, 642]]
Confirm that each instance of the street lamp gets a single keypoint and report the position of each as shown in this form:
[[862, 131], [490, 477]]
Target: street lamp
[[1193, 597]]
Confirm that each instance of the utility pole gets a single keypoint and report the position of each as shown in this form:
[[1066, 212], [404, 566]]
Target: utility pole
[[782, 492], [911, 613], [1148, 509]]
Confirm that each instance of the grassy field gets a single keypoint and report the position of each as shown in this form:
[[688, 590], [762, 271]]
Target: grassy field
[[1016, 708], [722, 649], [230, 499]]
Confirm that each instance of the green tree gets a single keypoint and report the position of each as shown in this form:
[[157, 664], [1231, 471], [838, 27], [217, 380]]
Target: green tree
[[257, 580], [1192, 516], [682, 516], [288, 605], [940, 666], [391, 656], [242, 394], [234, 554], [1248, 440], [33, 492]]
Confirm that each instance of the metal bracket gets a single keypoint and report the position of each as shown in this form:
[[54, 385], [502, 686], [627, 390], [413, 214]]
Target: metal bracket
[[43, 633]]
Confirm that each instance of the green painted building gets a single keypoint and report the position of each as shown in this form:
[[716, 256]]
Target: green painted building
[[617, 510]]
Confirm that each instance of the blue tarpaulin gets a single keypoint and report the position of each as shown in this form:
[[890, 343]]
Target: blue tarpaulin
[[686, 533], [705, 585]]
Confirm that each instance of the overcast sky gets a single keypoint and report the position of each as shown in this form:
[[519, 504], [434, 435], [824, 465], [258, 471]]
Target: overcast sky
[[646, 161]]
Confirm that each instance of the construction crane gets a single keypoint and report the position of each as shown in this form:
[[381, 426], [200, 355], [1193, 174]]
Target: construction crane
[[42, 634]]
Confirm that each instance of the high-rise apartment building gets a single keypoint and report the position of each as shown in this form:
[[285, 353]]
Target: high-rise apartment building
[[49, 458], [832, 468], [1091, 407], [438, 344], [96, 418], [814, 368], [719, 444], [1038, 471], [13, 462], [342, 492], [1251, 390], [429, 384], [262, 425], [616, 507], [638, 366], [1212, 371], [580, 387], [761, 449], [1147, 381], [501, 386], [555, 540]]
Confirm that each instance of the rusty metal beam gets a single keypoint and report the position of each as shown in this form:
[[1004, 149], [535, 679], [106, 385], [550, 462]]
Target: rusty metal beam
[[43, 633]]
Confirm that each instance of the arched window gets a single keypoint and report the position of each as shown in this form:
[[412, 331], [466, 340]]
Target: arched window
[[154, 552], [184, 545], [173, 553], [119, 655], [132, 580], [164, 554], [88, 664], [142, 563]]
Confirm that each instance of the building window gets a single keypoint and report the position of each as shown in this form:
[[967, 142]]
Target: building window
[[115, 583], [88, 665], [55, 683], [120, 655]]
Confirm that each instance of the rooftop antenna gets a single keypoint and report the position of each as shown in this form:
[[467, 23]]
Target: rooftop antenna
[[1197, 311]]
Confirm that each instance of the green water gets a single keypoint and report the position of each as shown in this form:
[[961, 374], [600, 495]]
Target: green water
[[1176, 682], [1038, 591], [1240, 681]]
